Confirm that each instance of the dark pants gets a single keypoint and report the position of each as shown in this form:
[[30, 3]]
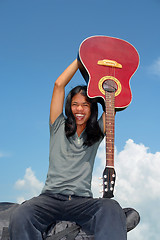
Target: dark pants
[[102, 217]]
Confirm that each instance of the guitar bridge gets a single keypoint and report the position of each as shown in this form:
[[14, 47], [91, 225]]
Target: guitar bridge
[[109, 63]]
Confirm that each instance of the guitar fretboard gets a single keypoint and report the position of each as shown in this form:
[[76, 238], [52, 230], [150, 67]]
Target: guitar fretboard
[[110, 126]]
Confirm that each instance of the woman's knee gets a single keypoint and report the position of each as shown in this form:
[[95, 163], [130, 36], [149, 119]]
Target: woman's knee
[[20, 215], [110, 205]]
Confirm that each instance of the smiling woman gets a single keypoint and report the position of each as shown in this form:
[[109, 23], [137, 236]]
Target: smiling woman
[[67, 194], [82, 113]]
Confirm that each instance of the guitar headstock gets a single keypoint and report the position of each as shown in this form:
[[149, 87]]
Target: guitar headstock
[[109, 177]]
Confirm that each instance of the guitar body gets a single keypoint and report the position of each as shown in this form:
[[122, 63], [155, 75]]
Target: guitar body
[[97, 48]]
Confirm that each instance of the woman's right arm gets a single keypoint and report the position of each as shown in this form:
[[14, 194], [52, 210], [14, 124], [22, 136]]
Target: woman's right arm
[[58, 95]]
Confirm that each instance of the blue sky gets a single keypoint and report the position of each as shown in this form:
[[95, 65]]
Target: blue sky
[[38, 40]]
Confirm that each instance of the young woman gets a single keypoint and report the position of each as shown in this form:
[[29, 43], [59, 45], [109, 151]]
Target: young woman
[[67, 195]]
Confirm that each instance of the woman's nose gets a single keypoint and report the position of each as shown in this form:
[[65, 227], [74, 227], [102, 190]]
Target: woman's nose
[[79, 107]]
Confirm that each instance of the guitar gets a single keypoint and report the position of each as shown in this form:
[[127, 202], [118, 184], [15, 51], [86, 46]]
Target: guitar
[[107, 65]]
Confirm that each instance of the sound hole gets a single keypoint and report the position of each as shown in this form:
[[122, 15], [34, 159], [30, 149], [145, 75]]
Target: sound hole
[[109, 86]]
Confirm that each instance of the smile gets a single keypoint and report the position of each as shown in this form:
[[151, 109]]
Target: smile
[[79, 116]]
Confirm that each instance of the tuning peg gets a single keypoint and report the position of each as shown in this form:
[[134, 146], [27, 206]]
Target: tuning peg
[[100, 178]]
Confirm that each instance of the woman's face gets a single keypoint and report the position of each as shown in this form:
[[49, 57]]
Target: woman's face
[[80, 109]]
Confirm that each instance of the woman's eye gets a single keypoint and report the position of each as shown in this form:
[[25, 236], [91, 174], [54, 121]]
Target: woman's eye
[[86, 105]]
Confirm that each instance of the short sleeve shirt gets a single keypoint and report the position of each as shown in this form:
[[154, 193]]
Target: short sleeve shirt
[[70, 162]]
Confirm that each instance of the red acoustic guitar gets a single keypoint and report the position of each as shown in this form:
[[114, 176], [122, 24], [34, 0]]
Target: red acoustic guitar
[[107, 64]]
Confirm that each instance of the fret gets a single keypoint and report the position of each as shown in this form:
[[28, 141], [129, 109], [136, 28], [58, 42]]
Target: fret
[[110, 159], [109, 144], [109, 163]]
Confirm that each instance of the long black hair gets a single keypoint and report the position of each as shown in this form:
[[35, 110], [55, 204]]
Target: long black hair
[[93, 130]]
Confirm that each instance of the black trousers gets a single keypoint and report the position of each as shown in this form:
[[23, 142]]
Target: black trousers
[[102, 217]]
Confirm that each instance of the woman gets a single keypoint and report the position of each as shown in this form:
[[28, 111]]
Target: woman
[[67, 192]]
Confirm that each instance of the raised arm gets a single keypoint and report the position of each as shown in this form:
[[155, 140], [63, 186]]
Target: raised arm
[[58, 95]]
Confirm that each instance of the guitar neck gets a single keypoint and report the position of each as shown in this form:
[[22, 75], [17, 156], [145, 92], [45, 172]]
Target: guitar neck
[[110, 126]]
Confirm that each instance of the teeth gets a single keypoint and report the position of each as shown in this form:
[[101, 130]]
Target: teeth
[[79, 115]]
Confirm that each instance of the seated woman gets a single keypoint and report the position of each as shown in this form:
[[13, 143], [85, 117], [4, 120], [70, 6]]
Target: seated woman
[[67, 195]]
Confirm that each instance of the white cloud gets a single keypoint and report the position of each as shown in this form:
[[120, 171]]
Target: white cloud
[[138, 185], [29, 186], [155, 67]]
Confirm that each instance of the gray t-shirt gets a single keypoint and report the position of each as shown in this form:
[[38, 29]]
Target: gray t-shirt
[[70, 162]]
